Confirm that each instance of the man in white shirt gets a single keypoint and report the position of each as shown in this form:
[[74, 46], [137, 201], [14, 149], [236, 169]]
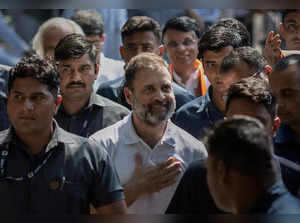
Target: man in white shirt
[[149, 151], [93, 26]]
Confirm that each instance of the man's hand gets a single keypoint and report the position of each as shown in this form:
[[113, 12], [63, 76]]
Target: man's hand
[[148, 180], [272, 50]]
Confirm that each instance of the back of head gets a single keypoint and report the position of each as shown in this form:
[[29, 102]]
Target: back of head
[[90, 21], [36, 67], [217, 38], [140, 62], [74, 46], [56, 22], [243, 144], [238, 27], [286, 62], [184, 24], [252, 57], [141, 24], [255, 89]]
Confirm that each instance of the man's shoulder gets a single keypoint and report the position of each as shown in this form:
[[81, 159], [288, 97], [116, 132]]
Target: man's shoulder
[[74, 144], [115, 83], [112, 132], [111, 105], [193, 107]]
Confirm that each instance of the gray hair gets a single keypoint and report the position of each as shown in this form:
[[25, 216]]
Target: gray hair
[[60, 22]]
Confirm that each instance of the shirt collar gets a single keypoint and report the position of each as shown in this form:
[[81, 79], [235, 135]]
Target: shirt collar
[[131, 137]]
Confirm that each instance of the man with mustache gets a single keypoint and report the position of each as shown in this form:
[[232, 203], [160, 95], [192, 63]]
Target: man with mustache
[[82, 112], [45, 170], [148, 150]]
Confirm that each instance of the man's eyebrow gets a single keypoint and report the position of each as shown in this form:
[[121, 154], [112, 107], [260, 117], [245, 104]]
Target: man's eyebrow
[[291, 20], [16, 92]]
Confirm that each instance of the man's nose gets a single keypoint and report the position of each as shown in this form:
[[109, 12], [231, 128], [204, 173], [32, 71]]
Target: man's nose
[[28, 104]]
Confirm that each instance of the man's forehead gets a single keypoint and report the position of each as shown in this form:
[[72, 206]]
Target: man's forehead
[[140, 36], [82, 60], [28, 85], [190, 33], [292, 17]]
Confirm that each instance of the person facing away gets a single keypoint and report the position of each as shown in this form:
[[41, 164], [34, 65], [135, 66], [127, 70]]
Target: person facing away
[[241, 169], [44, 169]]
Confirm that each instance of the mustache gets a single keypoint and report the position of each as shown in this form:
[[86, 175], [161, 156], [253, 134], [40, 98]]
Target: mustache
[[77, 83], [160, 103]]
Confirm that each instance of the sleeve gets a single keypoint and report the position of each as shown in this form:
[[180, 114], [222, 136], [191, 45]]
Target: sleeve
[[106, 187]]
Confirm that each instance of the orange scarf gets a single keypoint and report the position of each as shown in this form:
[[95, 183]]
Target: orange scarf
[[201, 88]]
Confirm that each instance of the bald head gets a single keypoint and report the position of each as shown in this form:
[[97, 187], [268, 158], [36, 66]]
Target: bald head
[[50, 32]]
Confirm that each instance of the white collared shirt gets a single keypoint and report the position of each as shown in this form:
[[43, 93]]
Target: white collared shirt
[[122, 143], [192, 83], [109, 69]]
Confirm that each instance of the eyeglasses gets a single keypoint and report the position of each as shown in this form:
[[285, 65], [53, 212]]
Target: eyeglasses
[[292, 27], [185, 42]]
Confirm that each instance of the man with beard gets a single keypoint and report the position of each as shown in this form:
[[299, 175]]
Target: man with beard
[[82, 112], [148, 150]]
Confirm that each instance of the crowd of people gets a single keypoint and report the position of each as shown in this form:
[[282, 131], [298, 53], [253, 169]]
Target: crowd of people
[[212, 129]]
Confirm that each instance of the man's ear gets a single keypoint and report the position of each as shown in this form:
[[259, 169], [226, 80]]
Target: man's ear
[[222, 172], [275, 126], [282, 30], [122, 53], [128, 96], [161, 50], [103, 39], [58, 102]]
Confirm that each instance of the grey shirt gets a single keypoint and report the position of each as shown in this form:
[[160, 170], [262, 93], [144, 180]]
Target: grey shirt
[[99, 113], [76, 174]]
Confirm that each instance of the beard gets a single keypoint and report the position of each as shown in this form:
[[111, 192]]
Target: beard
[[150, 115]]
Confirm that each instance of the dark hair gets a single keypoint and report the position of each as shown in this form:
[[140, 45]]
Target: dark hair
[[285, 12], [257, 90], [243, 144], [75, 46], [238, 27], [249, 55], [216, 38], [141, 23], [284, 63], [182, 23], [90, 21], [140, 62], [38, 68]]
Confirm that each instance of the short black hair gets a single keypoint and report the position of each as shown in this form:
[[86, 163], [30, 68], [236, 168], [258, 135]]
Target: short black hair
[[75, 46], [90, 21], [238, 27], [140, 24], [36, 67], [284, 63], [257, 90], [242, 143], [285, 12], [217, 38], [252, 57], [182, 23]]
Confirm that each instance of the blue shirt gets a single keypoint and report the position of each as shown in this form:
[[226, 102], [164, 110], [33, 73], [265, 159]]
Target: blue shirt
[[287, 148], [198, 115]]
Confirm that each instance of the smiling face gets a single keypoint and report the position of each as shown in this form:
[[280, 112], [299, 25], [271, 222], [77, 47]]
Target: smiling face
[[152, 98], [182, 47], [286, 87], [76, 78], [31, 106]]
